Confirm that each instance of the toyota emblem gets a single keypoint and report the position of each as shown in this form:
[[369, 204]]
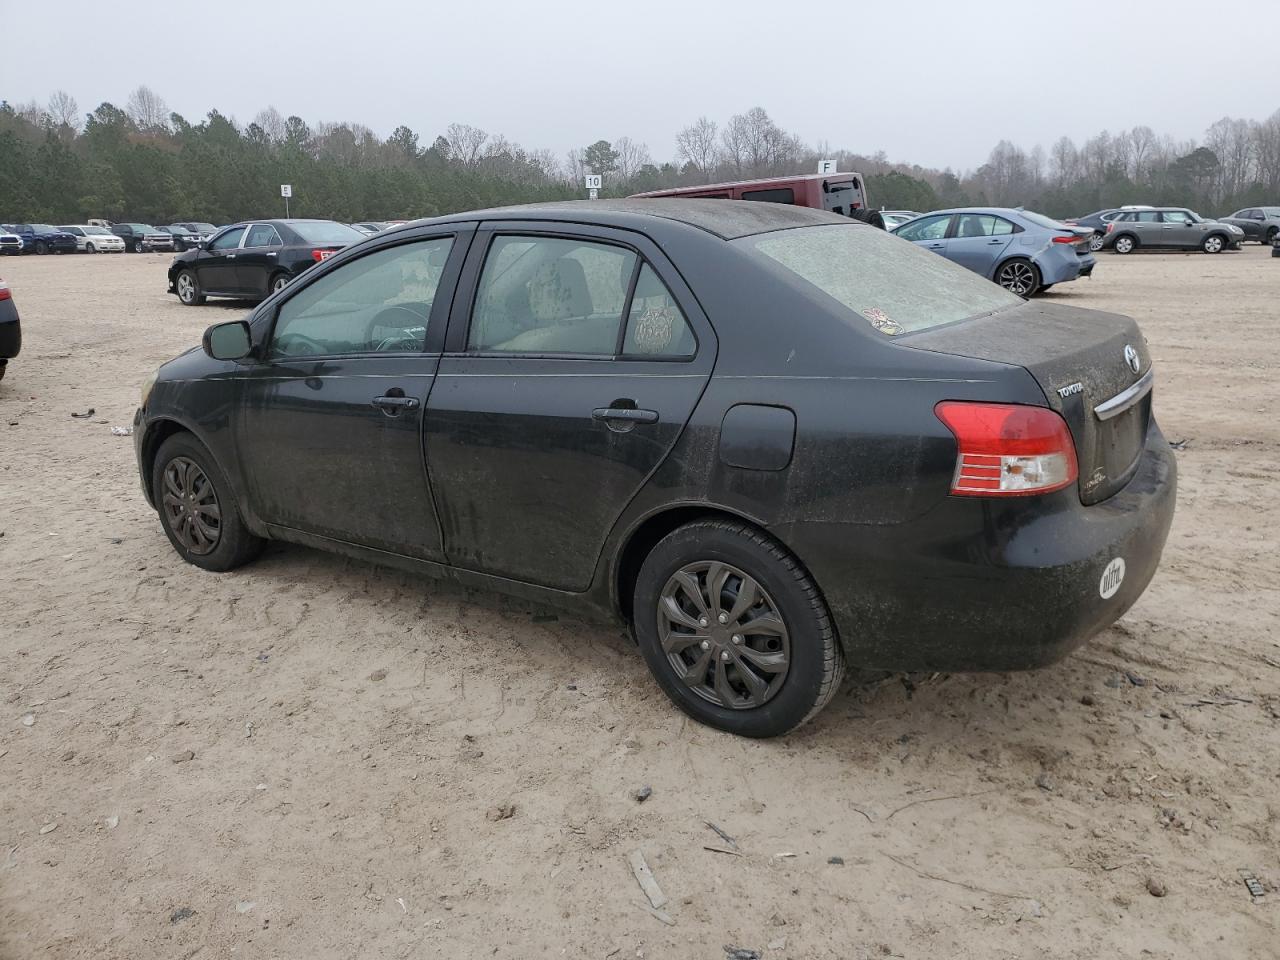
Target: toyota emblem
[[1131, 358]]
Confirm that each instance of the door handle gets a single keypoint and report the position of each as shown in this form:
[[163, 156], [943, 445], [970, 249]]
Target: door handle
[[630, 414], [391, 405], [935, 246], [231, 256], [992, 243], [271, 254]]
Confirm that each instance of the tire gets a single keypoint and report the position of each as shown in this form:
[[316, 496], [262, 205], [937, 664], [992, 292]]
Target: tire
[[135, 247], [89, 248], [188, 289], [41, 248], [1019, 276], [1271, 236], [233, 545], [1096, 241], [1125, 244], [4, 367], [1213, 243], [806, 647], [277, 283], [1046, 288]]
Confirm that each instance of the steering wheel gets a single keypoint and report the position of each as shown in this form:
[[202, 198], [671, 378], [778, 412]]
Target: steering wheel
[[399, 318]]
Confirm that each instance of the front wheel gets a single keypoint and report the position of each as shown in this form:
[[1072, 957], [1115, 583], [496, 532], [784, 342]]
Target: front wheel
[[1096, 242], [1124, 245], [734, 630], [1271, 236], [41, 248], [188, 290], [90, 248], [197, 507], [1019, 276], [1213, 243]]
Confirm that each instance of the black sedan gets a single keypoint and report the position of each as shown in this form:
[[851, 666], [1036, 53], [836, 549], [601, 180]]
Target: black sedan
[[10, 328], [769, 438], [252, 260]]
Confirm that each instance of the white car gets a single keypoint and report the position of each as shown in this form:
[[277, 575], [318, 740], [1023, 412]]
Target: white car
[[91, 239], [10, 243]]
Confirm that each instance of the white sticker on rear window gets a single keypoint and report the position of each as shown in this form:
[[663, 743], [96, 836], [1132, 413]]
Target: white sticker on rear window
[[880, 320], [1112, 577]]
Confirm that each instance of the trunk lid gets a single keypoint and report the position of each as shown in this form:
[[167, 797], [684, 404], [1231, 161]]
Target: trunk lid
[[1084, 361]]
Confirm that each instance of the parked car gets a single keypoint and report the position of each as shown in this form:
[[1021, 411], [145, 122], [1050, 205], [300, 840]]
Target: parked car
[[198, 227], [183, 239], [594, 404], [842, 193], [10, 328], [255, 259], [1024, 252], [142, 237], [1258, 223], [895, 218], [90, 239], [370, 227], [10, 243], [1170, 227], [43, 238], [1097, 222]]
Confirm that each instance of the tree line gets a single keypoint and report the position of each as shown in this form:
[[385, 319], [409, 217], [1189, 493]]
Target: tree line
[[144, 162]]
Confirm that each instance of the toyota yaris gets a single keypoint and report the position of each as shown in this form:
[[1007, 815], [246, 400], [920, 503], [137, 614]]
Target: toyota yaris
[[772, 440]]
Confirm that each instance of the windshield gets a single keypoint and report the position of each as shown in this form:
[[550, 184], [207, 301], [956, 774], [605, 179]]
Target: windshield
[[180, 231], [887, 282], [325, 231], [42, 228], [203, 227], [141, 227], [98, 231]]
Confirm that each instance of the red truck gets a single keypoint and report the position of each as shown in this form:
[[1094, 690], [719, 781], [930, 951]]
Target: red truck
[[841, 193]]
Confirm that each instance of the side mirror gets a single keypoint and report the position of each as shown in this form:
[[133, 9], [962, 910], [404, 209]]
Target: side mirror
[[228, 341]]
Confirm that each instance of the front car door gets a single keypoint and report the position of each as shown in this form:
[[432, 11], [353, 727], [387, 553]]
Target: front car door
[[257, 259], [330, 419], [1179, 229], [928, 232], [979, 241], [215, 266], [575, 356]]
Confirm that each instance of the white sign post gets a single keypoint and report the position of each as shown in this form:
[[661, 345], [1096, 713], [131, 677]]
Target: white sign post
[[826, 166], [593, 182], [286, 191]]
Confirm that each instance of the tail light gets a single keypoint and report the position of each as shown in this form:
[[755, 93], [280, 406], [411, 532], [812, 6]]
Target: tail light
[[1072, 238], [321, 255], [5, 293], [1111, 226], [1008, 449]]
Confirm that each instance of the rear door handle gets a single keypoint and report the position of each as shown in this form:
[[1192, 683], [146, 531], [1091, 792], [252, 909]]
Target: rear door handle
[[625, 413], [393, 404], [992, 243], [231, 256]]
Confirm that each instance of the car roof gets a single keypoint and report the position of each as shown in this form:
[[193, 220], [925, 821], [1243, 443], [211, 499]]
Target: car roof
[[997, 211], [727, 219]]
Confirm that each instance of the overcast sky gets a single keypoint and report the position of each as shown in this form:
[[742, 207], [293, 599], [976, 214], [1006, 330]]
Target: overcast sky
[[935, 82]]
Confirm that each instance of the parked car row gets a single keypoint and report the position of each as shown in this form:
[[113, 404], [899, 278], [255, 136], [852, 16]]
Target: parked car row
[[1124, 229]]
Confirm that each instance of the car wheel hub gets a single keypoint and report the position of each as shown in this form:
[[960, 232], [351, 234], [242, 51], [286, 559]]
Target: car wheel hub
[[191, 506], [723, 635], [1016, 278]]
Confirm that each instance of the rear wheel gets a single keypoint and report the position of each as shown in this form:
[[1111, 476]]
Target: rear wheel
[[1096, 241], [278, 282], [188, 290], [197, 508], [1125, 244], [734, 629], [41, 247], [1019, 276], [1213, 243], [1271, 236]]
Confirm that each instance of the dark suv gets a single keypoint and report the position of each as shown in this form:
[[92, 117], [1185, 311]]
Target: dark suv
[[43, 238], [141, 237]]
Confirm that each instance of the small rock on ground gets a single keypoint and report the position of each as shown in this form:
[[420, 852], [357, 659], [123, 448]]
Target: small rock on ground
[[836, 861], [1156, 887], [1045, 782], [378, 675], [503, 811], [643, 794], [184, 756], [182, 913]]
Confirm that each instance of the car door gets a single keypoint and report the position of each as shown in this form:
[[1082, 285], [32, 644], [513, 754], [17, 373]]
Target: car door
[[257, 259], [575, 357], [1250, 221], [329, 427], [1178, 229], [928, 232], [979, 241], [216, 266]]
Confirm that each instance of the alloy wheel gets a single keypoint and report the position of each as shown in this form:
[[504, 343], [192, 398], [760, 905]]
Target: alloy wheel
[[191, 505], [1213, 244], [186, 288], [279, 284], [1096, 241], [1018, 277], [723, 635], [1124, 245]]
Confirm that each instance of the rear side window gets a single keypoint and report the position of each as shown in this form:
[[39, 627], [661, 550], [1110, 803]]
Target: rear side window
[[656, 326], [262, 235], [551, 295], [895, 287], [781, 195]]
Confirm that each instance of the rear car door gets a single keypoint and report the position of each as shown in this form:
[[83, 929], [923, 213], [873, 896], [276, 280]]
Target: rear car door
[[1148, 228], [575, 357], [258, 259], [928, 232], [330, 421], [979, 241], [216, 266]]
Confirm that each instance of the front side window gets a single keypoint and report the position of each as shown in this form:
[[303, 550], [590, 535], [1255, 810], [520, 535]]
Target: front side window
[[551, 295], [894, 287], [656, 326], [1176, 216], [926, 228], [262, 235], [379, 303], [228, 240]]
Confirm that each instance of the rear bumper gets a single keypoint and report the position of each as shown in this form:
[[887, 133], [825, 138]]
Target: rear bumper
[[991, 585], [10, 331]]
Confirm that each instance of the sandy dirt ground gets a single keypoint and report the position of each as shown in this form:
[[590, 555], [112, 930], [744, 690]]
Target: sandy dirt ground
[[353, 732]]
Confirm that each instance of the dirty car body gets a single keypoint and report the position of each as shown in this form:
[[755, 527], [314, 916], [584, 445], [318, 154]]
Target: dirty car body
[[543, 400], [10, 328]]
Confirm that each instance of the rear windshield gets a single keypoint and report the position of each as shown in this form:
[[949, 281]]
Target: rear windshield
[[323, 231], [1040, 220], [889, 283]]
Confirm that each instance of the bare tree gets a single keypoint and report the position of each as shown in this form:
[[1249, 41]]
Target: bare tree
[[466, 143], [147, 110], [64, 110], [1266, 148], [696, 144], [272, 123], [1064, 162], [631, 157], [1141, 143]]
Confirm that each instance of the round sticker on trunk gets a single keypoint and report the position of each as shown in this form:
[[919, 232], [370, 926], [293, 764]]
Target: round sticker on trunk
[[1112, 577]]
